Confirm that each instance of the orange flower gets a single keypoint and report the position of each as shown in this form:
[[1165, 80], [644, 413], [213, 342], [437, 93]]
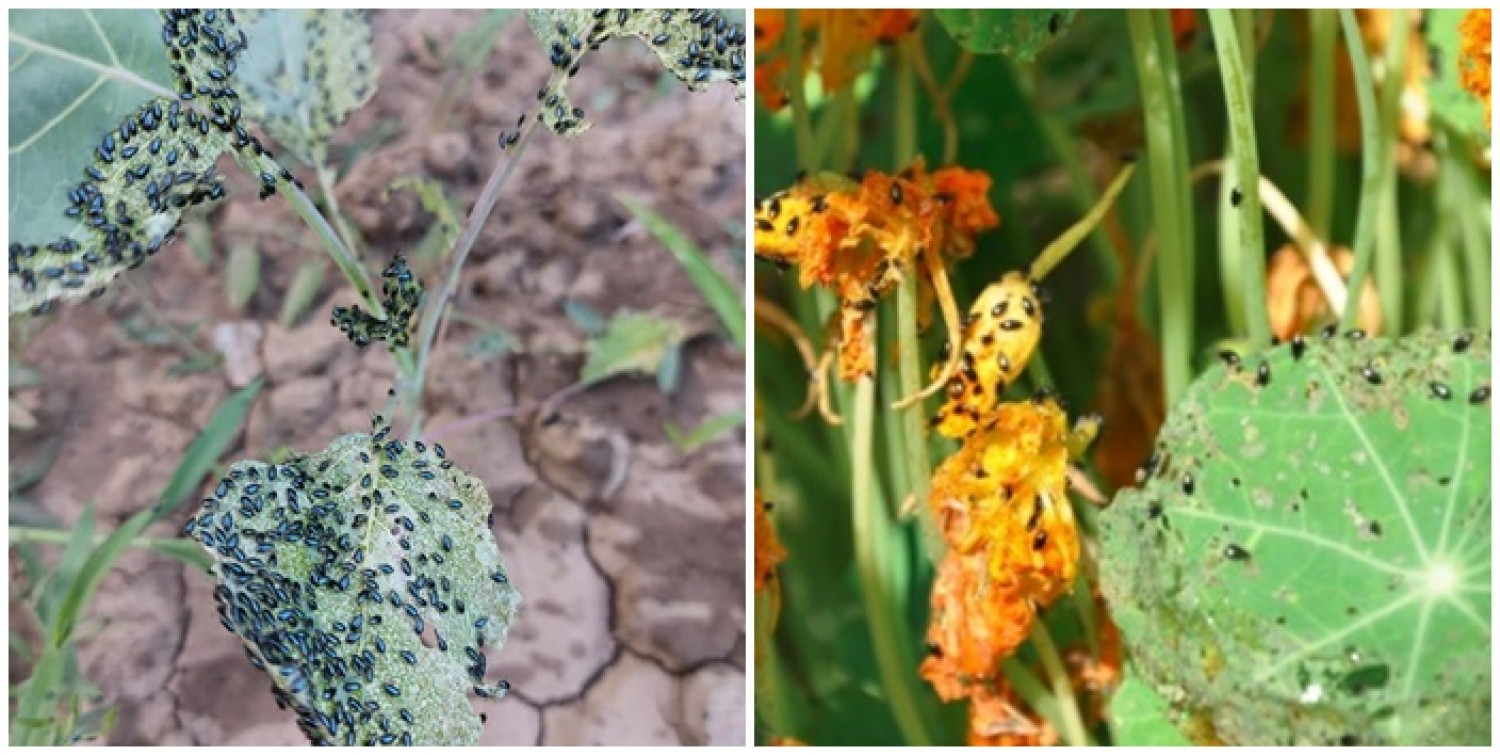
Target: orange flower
[[839, 49], [1184, 26], [787, 742], [1004, 494], [768, 550], [998, 718], [860, 239], [1474, 56], [1296, 303], [976, 623]]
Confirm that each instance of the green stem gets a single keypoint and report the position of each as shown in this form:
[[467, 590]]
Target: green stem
[[188, 551], [1247, 167], [1370, 181], [488, 196], [872, 537], [1470, 209], [801, 118], [1071, 723], [1156, 66], [325, 187], [1321, 158], [347, 263], [1388, 235]]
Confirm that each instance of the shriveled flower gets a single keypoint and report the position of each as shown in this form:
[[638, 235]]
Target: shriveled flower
[[1004, 494], [1296, 304], [1474, 56], [860, 239], [768, 549], [976, 623], [999, 718], [838, 48], [1000, 335]]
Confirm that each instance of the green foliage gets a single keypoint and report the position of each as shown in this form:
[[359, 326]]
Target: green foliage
[[1018, 34], [1309, 561], [402, 296], [716, 289], [633, 342], [242, 277], [310, 70], [1450, 101], [299, 295], [331, 565], [699, 47], [99, 100], [704, 433], [1140, 718]]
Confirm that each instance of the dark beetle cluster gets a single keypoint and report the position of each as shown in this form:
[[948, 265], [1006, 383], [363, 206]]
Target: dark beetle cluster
[[285, 536], [402, 296]]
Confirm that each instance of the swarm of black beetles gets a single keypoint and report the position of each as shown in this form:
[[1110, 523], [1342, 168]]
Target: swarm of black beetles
[[402, 296]]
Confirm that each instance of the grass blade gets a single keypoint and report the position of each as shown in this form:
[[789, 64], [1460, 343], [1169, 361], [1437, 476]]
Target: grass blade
[[720, 293]]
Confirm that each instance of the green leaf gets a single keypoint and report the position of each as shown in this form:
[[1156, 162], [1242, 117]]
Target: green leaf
[[311, 70], [725, 299], [199, 458], [242, 277], [1450, 101], [1314, 539], [473, 45], [489, 345], [585, 317], [632, 342], [704, 433], [1018, 34], [713, 45], [299, 296], [1140, 718], [391, 539], [434, 200], [87, 89]]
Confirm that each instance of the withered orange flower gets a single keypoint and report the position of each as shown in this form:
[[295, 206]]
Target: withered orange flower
[[999, 718], [787, 742], [976, 623], [768, 549], [860, 239], [1004, 494], [838, 50], [1000, 335], [1294, 301], [1474, 56]]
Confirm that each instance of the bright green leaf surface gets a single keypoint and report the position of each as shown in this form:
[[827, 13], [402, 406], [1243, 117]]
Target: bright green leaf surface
[[1018, 34]]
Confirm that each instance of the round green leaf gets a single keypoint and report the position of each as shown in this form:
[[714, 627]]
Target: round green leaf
[[1309, 560], [1018, 34]]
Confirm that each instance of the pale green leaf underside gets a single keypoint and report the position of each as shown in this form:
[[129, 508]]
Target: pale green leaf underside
[[1139, 717], [632, 342], [311, 70], [700, 50], [73, 76], [1317, 549], [367, 553]]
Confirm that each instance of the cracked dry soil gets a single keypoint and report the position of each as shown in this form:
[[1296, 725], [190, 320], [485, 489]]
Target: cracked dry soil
[[629, 552]]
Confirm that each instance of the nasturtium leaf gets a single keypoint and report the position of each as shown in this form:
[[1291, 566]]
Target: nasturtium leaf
[[311, 69], [1018, 34], [106, 151], [1450, 100], [1139, 717], [632, 342], [365, 581], [1308, 558], [699, 47]]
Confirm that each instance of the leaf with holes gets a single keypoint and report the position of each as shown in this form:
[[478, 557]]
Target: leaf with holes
[[1308, 560], [117, 119], [365, 581], [1018, 34], [311, 70], [699, 47]]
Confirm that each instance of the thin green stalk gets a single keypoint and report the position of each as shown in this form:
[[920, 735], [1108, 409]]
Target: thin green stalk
[[1450, 291], [188, 551], [1247, 167], [1470, 210], [325, 187], [347, 263], [1161, 96], [872, 538], [488, 196], [1388, 235], [801, 118], [1030, 689], [1321, 158], [1370, 164], [1071, 723]]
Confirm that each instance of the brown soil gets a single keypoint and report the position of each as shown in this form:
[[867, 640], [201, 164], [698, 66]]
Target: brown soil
[[629, 552]]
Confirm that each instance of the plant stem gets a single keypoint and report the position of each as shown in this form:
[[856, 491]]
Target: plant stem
[[1247, 164], [1470, 208], [347, 263], [872, 537], [175, 547], [801, 118], [1372, 169], [1156, 65], [1388, 235], [325, 187], [426, 338], [1321, 158], [1071, 725]]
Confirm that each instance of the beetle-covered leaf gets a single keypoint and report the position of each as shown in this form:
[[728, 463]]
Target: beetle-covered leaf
[[401, 296], [1018, 34], [311, 69], [331, 567], [1313, 537], [106, 151], [699, 47]]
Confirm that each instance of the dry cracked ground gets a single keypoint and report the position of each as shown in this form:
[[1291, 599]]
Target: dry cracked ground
[[629, 551]]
